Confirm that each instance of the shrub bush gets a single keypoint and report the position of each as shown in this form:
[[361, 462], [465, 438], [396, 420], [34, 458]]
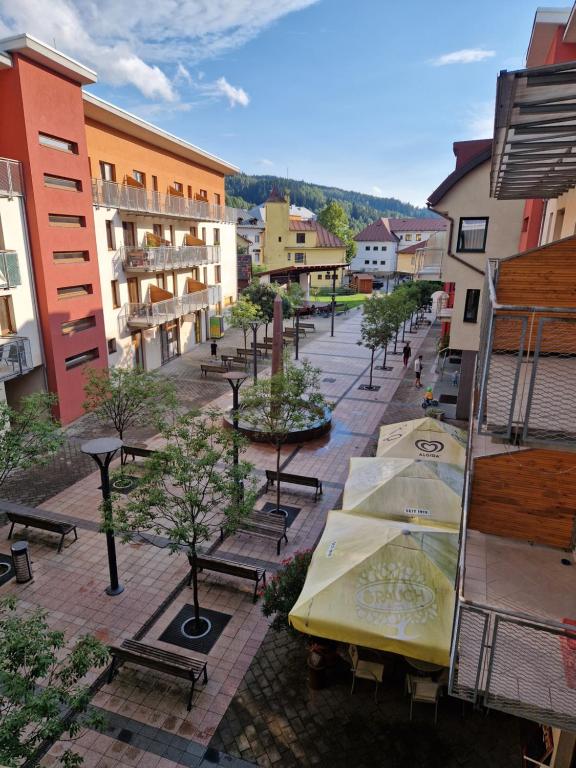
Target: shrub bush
[[282, 591]]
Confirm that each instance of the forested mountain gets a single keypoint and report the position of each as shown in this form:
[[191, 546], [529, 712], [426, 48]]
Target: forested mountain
[[244, 191]]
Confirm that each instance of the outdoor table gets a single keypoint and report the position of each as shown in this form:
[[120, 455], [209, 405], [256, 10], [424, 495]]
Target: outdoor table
[[424, 667]]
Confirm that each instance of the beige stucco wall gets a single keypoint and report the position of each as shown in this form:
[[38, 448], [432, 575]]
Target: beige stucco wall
[[470, 197], [554, 227]]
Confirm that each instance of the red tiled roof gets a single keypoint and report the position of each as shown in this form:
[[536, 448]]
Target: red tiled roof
[[435, 224], [414, 247], [275, 196], [463, 167], [466, 150], [324, 238], [376, 232]]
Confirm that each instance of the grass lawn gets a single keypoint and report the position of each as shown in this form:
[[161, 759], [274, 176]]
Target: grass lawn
[[353, 301]]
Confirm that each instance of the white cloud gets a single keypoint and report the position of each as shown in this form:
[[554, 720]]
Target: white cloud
[[143, 43], [377, 191], [465, 56], [265, 162], [480, 120]]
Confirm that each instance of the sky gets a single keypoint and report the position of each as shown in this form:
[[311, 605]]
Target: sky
[[366, 95]]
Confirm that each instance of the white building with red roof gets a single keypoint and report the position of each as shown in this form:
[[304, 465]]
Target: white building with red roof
[[376, 250], [415, 230]]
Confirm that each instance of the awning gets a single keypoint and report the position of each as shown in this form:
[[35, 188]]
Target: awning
[[534, 153], [425, 438], [381, 584]]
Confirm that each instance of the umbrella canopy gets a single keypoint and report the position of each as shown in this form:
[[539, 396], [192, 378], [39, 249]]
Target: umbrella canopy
[[403, 489], [381, 584], [426, 438]]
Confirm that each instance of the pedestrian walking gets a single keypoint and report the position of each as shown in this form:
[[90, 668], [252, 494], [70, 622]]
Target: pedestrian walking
[[406, 353], [214, 349], [418, 371]]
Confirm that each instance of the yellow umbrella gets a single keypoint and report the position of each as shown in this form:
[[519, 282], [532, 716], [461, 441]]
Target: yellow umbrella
[[403, 489], [381, 584], [426, 438]]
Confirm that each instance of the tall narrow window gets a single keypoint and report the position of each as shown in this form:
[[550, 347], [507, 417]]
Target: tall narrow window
[[6, 316], [471, 305], [218, 273], [107, 171], [189, 191], [216, 236], [129, 233], [110, 238], [178, 187], [161, 280], [194, 231], [472, 234], [115, 288], [172, 236], [155, 183], [157, 229], [217, 198], [139, 177]]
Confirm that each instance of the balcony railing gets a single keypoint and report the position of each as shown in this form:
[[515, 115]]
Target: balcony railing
[[9, 270], [147, 315], [429, 263], [444, 311], [15, 357], [10, 178], [518, 665], [139, 200], [528, 354], [143, 259]]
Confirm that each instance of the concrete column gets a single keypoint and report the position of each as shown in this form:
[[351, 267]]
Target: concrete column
[[304, 281], [564, 743], [466, 384]]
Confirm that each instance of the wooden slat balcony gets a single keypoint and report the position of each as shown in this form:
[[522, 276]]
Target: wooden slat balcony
[[150, 314], [166, 257]]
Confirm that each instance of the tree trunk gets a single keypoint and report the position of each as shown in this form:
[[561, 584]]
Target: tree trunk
[[371, 367], [278, 453], [403, 331], [395, 340], [245, 332], [194, 565], [385, 356]]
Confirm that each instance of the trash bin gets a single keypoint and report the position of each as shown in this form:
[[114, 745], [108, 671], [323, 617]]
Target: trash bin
[[316, 671], [21, 560]]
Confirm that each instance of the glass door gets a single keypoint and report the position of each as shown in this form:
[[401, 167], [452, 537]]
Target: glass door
[[169, 340]]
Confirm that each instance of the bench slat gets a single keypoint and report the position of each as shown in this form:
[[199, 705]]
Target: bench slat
[[168, 657]]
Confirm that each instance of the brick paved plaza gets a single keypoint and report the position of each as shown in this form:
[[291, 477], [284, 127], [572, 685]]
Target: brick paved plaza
[[256, 706]]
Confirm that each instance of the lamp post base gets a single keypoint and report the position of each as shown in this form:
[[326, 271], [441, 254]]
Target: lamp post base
[[115, 591]]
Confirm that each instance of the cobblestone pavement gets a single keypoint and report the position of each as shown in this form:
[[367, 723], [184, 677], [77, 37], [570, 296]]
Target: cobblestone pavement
[[276, 719]]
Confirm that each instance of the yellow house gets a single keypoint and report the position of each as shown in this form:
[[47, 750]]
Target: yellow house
[[293, 244]]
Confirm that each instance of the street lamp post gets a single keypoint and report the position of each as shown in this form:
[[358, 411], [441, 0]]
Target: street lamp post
[[333, 302], [103, 450], [297, 340], [255, 327], [235, 379]]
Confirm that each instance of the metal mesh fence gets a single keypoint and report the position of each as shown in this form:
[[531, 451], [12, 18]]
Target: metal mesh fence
[[10, 178], [469, 652]]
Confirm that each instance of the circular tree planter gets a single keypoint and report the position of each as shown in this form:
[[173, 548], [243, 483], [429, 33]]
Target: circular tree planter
[[195, 630], [311, 431], [124, 484]]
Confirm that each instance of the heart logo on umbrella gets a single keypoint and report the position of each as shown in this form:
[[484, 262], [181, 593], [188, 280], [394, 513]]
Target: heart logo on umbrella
[[429, 446]]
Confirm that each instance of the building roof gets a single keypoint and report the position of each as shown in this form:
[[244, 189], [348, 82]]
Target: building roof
[[418, 225], [483, 155], [275, 196], [302, 212], [299, 268], [376, 232], [259, 212], [413, 247], [325, 239], [49, 57]]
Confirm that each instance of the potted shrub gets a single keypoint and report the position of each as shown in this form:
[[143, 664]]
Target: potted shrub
[[435, 413]]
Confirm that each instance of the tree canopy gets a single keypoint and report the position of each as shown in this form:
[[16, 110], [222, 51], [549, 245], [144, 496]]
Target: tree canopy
[[335, 219]]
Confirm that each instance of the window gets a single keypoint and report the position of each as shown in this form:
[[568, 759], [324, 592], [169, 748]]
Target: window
[[375, 248], [178, 187], [110, 237], [256, 238], [367, 248], [194, 231], [115, 287], [161, 280], [289, 256], [300, 237], [172, 238], [383, 262], [157, 230], [76, 326], [472, 235], [216, 236], [155, 183], [559, 223], [53, 142], [525, 222], [367, 261], [139, 177], [73, 291], [133, 290], [70, 257], [217, 273], [374, 261], [217, 198], [279, 238], [61, 182], [205, 275], [83, 357], [63, 220], [107, 171], [129, 233], [111, 346], [203, 235], [384, 248], [471, 305], [189, 191], [6, 316], [418, 236], [319, 277], [299, 258], [408, 238], [203, 194]]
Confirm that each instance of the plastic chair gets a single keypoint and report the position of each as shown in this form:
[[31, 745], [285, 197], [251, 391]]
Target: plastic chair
[[365, 670], [423, 690]]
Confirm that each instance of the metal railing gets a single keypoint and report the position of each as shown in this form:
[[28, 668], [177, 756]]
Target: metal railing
[[144, 259], [11, 182], [15, 357], [516, 665], [145, 315], [110, 194], [443, 309], [528, 354], [429, 263]]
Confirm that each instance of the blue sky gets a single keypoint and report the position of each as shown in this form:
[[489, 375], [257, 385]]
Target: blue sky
[[331, 91]]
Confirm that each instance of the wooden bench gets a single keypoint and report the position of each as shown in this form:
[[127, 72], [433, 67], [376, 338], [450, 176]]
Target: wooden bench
[[307, 326], [135, 450], [232, 568], [264, 524], [43, 523], [292, 331], [162, 661], [207, 368], [285, 477], [241, 352]]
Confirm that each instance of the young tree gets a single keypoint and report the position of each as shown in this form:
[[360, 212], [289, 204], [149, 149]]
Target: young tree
[[242, 315], [288, 401], [40, 687], [29, 435], [263, 295], [126, 397], [189, 489], [377, 327], [334, 218]]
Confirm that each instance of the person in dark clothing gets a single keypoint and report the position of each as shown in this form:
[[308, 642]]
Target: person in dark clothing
[[214, 349], [406, 352]]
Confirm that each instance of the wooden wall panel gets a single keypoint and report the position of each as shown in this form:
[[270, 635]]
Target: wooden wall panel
[[528, 495], [558, 337]]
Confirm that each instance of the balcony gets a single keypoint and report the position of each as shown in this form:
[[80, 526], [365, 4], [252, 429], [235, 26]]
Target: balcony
[[444, 312], [11, 182], [9, 270], [528, 347], [144, 259], [130, 199], [148, 315], [15, 357], [429, 264]]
